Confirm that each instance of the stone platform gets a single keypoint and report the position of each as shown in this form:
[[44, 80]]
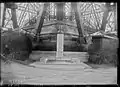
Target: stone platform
[[51, 55]]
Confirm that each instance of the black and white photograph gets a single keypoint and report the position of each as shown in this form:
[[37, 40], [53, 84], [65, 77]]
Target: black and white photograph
[[59, 43]]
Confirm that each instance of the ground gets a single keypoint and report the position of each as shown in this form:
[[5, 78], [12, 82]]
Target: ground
[[59, 73]]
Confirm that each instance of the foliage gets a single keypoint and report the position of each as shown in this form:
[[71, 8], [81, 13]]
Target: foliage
[[105, 55]]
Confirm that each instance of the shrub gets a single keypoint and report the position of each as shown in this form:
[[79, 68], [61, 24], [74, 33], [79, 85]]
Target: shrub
[[107, 54]]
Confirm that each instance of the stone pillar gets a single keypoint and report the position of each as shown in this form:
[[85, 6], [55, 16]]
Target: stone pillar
[[60, 45]]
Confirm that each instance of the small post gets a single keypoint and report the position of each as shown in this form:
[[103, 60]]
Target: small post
[[2, 10]]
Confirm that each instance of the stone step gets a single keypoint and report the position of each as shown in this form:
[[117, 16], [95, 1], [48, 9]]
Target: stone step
[[82, 56]]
